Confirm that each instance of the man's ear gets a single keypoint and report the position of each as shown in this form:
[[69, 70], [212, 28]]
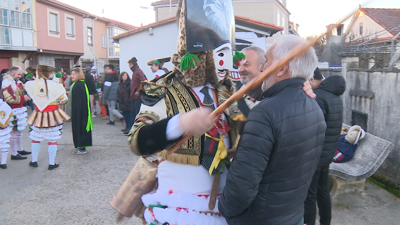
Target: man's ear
[[283, 70]]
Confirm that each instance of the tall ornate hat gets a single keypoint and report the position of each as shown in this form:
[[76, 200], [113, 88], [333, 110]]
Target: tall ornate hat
[[46, 72], [158, 61], [203, 26]]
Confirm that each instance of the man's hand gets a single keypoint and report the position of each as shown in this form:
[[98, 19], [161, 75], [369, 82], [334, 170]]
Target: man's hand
[[231, 153], [137, 93], [196, 122], [308, 89], [27, 98]]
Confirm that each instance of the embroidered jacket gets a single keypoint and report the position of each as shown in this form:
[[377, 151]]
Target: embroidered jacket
[[163, 98]]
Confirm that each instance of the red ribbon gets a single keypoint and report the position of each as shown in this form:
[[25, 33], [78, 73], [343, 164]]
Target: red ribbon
[[49, 108]]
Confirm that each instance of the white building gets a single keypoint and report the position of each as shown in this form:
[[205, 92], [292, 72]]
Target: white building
[[158, 40]]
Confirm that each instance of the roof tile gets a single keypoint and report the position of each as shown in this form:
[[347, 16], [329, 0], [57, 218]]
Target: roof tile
[[387, 18]]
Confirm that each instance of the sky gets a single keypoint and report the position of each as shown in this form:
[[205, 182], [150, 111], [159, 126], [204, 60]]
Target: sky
[[311, 15]]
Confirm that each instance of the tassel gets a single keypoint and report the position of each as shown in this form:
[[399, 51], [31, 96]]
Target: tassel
[[189, 62], [29, 77], [239, 56]]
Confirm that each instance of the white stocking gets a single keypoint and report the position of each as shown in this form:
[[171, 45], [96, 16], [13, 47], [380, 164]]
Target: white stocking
[[4, 154], [35, 148], [18, 142], [52, 152], [13, 140]]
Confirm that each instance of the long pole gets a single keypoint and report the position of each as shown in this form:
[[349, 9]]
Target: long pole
[[300, 49]]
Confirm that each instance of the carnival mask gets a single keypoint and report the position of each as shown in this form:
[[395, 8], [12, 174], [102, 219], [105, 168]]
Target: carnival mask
[[223, 60]]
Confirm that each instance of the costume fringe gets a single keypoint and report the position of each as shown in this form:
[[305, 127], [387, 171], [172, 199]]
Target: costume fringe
[[193, 160]]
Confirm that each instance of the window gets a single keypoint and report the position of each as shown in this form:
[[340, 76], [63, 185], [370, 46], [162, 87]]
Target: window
[[54, 27], [3, 16], [14, 21], [26, 20], [26, 14], [70, 27], [14, 5], [104, 41], [4, 4], [278, 19], [361, 28], [4, 35], [90, 36]]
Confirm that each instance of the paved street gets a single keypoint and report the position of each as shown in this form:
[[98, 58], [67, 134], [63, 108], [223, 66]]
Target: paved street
[[79, 191]]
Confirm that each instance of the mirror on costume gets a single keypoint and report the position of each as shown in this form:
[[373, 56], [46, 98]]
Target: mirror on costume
[[223, 60]]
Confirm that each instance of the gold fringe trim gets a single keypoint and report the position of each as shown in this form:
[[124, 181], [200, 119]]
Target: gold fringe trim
[[32, 118], [193, 160]]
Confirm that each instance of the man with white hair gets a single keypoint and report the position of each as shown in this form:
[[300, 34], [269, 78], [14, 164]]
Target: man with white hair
[[280, 146]]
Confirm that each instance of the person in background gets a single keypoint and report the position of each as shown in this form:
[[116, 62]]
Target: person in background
[[14, 95], [124, 92], [96, 77], [103, 79], [137, 77], [82, 124], [328, 93], [5, 71], [110, 93], [47, 119], [89, 81], [5, 131], [156, 66], [68, 80], [279, 149]]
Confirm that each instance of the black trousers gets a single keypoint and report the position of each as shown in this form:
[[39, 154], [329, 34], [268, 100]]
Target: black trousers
[[135, 107], [318, 192]]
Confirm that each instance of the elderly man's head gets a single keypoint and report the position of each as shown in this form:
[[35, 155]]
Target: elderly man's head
[[16, 72], [302, 66], [252, 66]]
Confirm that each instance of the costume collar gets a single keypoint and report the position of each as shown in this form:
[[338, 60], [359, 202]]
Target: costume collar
[[278, 87], [198, 88]]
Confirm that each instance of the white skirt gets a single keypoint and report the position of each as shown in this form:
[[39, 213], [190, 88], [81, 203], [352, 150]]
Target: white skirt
[[18, 121], [49, 134], [5, 137], [182, 196]]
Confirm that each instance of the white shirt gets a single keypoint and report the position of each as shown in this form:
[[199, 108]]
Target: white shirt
[[174, 130]]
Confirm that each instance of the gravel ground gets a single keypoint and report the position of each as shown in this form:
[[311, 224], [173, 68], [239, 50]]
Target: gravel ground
[[79, 191]]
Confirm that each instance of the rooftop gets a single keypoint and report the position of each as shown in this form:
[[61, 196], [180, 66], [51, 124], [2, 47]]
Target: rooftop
[[387, 18], [239, 19]]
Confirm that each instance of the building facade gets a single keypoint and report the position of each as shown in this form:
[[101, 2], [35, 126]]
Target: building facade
[[17, 32], [99, 47]]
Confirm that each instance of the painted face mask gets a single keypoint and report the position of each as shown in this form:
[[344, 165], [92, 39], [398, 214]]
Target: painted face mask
[[223, 60]]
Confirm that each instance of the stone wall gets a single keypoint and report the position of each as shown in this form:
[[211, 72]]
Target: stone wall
[[373, 95]]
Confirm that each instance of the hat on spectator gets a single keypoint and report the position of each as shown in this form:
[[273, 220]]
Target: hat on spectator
[[318, 75]]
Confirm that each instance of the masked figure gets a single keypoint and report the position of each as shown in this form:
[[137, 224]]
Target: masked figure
[[190, 179], [47, 119]]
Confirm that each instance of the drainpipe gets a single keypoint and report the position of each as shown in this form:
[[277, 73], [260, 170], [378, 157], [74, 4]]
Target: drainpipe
[[94, 45]]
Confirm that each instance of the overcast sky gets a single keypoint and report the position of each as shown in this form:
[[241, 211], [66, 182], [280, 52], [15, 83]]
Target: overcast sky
[[311, 15]]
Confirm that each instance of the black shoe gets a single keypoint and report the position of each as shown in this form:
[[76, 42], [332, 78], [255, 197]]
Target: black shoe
[[3, 166], [126, 132], [17, 157], [52, 167], [33, 164], [111, 123], [23, 152], [125, 129], [95, 113]]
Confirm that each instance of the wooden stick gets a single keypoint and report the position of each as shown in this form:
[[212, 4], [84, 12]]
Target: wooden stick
[[253, 84]]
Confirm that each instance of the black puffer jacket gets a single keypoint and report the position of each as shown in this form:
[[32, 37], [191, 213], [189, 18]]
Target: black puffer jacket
[[328, 98], [276, 158]]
